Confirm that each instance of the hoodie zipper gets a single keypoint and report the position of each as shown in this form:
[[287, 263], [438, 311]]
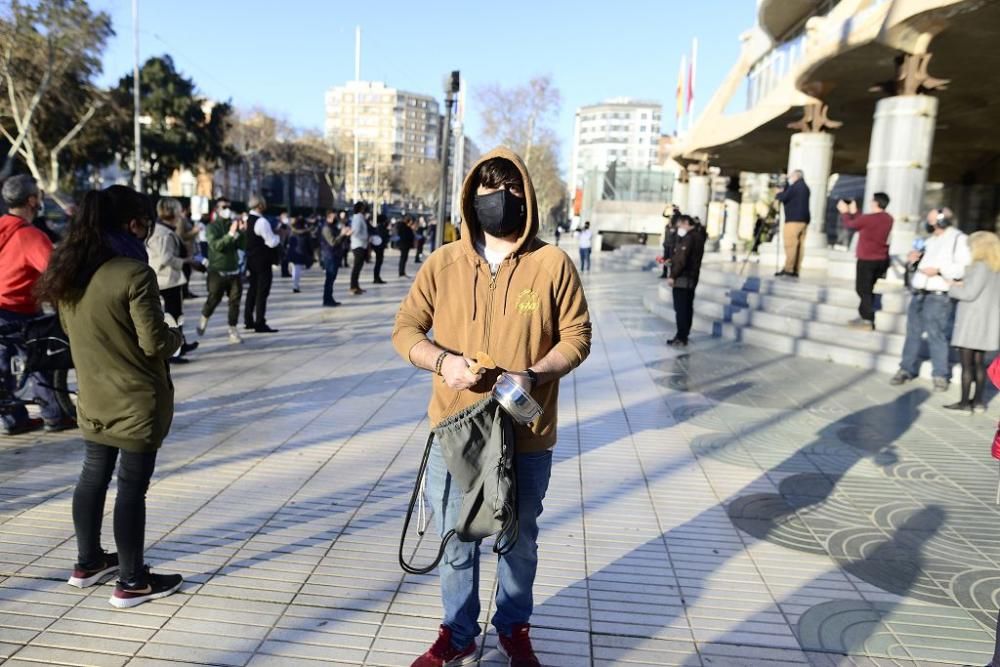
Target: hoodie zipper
[[489, 309]]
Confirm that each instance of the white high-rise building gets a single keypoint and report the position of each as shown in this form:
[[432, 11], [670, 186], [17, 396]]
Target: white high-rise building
[[394, 128], [619, 129]]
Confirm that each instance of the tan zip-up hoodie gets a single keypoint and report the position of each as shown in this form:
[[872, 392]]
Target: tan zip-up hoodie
[[534, 304]]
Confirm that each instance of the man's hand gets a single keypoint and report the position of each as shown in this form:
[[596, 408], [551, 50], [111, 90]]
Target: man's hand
[[234, 227], [456, 373], [670, 282], [852, 208], [842, 207], [913, 257], [930, 272]]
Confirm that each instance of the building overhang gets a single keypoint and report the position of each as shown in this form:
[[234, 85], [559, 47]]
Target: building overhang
[[966, 145], [778, 17]]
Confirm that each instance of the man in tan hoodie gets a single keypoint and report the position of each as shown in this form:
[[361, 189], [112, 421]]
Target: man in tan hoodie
[[503, 292]]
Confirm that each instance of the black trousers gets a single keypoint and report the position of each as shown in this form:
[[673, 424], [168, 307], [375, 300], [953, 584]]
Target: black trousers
[[260, 276], [684, 309], [404, 254], [379, 253], [359, 263], [134, 473], [218, 286], [173, 301], [866, 274]]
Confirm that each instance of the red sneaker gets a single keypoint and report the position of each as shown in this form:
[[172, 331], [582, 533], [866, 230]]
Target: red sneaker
[[83, 577], [517, 647], [443, 654]]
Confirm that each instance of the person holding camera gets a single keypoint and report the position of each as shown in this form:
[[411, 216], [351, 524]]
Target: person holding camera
[[226, 236], [795, 198], [872, 252], [931, 310]]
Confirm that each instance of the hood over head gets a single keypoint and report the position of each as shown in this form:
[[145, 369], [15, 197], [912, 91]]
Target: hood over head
[[470, 224]]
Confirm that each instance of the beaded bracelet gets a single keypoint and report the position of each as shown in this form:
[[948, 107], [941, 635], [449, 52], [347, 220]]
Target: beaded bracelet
[[439, 362]]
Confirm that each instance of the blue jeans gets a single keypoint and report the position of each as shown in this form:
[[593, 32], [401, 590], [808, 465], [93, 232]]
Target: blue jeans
[[459, 569], [46, 398], [933, 314], [331, 266], [584, 259]]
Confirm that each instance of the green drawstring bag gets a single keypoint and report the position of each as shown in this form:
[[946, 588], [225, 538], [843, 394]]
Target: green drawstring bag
[[477, 445]]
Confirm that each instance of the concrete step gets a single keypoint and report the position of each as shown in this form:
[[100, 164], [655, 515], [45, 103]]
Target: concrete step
[[812, 289], [837, 343], [736, 300]]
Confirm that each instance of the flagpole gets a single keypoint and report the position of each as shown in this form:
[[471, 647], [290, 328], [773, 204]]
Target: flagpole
[[679, 113], [691, 82]]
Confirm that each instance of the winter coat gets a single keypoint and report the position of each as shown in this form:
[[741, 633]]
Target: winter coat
[[977, 318], [166, 252], [120, 345]]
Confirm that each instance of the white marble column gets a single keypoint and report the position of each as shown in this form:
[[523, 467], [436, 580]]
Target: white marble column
[[680, 195], [898, 158], [812, 152], [698, 196]]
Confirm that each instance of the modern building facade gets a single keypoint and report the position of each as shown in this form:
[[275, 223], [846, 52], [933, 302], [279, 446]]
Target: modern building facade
[[897, 92], [394, 128], [619, 130]]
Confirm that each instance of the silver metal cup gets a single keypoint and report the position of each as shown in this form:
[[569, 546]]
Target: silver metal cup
[[515, 401]]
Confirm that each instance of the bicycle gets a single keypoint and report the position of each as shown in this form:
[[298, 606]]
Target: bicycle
[[36, 345]]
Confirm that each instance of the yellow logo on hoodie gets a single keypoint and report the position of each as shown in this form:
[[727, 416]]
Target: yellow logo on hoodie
[[527, 302]]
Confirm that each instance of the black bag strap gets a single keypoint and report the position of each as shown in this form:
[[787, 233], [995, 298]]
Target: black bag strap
[[505, 539], [409, 567]]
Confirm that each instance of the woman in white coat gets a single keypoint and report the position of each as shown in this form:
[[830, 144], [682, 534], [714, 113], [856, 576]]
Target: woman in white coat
[[977, 319], [168, 257]]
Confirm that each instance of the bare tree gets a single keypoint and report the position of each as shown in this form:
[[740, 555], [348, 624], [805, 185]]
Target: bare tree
[[521, 118], [421, 181], [49, 52]]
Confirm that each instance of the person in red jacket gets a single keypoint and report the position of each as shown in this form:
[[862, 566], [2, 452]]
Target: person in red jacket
[[24, 255], [872, 252]]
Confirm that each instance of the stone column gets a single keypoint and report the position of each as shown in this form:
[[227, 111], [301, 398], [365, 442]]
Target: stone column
[[898, 158], [698, 196], [680, 195], [731, 222], [812, 152]]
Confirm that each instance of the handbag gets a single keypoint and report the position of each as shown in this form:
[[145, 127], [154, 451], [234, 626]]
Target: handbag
[[46, 345], [477, 445]]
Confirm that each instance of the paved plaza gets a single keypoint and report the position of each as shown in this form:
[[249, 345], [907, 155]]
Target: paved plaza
[[720, 505]]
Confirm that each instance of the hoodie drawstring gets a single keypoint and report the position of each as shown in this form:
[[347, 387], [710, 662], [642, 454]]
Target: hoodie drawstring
[[475, 300]]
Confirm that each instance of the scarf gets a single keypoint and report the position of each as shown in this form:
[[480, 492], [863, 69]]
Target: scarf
[[125, 244]]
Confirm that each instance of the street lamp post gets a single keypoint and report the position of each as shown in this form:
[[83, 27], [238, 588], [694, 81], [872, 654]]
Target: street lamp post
[[451, 86], [137, 176]]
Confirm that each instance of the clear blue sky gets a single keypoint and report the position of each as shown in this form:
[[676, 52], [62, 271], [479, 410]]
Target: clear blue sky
[[283, 55]]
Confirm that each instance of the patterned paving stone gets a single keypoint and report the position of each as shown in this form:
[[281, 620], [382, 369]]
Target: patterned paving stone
[[721, 505]]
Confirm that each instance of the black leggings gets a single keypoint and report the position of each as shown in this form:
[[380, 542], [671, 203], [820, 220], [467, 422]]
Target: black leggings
[[134, 473], [973, 371]]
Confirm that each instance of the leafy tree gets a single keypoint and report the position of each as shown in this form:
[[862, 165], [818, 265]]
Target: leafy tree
[[50, 51], [521, 118], [180, 130]]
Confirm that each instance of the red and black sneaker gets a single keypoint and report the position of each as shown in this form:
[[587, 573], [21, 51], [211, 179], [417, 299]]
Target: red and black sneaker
[[156, 586], [88, 576], [443, 654], [517, 647]]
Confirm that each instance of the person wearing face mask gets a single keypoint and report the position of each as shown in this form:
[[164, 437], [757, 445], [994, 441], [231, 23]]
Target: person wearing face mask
[[931, 310], [586, 246], [105, 291], [685, 268], [24, 256], [226, 235], [502, 291]]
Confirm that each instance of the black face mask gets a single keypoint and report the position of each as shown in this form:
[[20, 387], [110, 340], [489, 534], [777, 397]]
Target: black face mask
[[500, 213]]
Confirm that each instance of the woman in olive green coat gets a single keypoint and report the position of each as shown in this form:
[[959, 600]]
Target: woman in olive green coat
[[109, 304]]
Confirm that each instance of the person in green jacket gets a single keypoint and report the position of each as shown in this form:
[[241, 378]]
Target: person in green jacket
[[109, 304], [226, 235]]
